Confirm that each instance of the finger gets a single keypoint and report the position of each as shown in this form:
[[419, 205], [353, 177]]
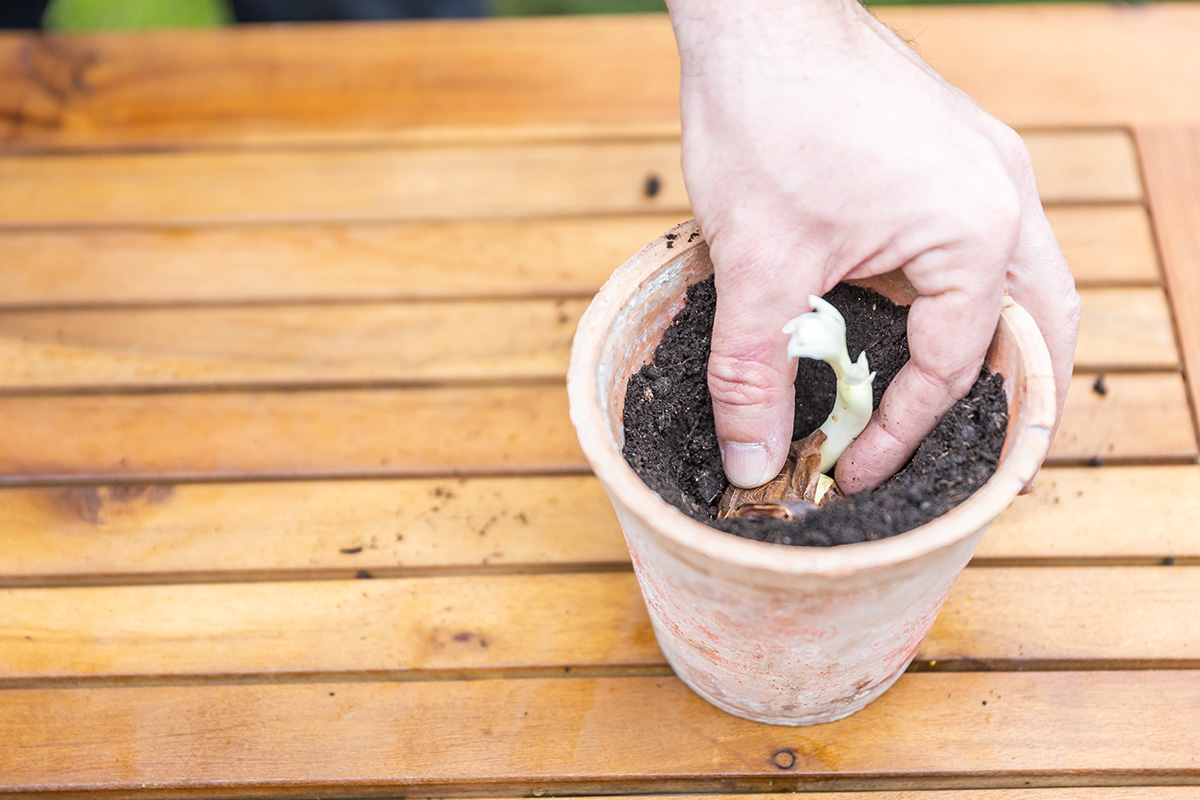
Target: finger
[[1041, 283], [950, 325], [750, 376]]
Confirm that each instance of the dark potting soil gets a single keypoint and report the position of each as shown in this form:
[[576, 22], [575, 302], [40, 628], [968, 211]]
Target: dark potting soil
[[671, 440]]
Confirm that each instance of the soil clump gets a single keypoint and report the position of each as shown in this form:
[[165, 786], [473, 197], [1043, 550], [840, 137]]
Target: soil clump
[[671, 440]]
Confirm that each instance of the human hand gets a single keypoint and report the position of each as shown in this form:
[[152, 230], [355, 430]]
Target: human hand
[[817, 147]]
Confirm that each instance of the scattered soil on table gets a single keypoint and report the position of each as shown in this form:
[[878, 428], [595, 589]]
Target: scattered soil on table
[[671, 441]]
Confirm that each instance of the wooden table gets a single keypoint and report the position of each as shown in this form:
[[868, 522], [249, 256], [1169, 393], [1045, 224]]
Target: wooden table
[[291, 505]]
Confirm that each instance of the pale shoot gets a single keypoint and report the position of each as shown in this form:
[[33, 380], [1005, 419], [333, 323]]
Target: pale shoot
[[821, 334]]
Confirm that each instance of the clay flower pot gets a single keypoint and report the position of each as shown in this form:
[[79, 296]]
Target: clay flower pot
[[776, 633]]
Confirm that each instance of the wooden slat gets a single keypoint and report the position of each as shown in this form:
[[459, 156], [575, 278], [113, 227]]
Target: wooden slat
[[1061, 793], [414, 431], [400, 628], [344, 432], [614, 734], [1104, 245], [435, 183], [413, 627], [332, 528], [408, 82], [404, 342], [1073, 513], [1138, 417], [1031, 66], [1171, 160], [362, 261], [290, 344], [244, 531], [1082, 167], [1123, 328], [384, 261], [429, 183], [1103, 615]]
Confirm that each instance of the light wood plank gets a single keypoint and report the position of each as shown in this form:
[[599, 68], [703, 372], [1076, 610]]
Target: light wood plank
[[1123, 328], [399, 628], [1138, 417], [428, 183], [247, 531], [615, 734], [1104, 245], [1083, 167], [330, 528], [453, 626], [385, 261], [435, 183], [1073, 65], [1171, 159], [344, 432], [1103, 615], [1089, 513], [420, 431], [404, 342], [1061, 793], [330, 261], [410, 82], [323, 344]]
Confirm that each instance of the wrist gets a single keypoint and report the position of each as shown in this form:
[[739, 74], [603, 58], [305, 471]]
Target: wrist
[[714, 29]]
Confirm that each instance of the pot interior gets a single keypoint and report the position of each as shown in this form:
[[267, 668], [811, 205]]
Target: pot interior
[[639, 327]]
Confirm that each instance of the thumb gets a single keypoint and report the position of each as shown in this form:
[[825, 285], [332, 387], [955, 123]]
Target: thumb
[[750, 377]]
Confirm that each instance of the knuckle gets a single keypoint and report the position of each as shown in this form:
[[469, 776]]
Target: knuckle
[[949, 383], [743, 381], [1072, 310], [1014, 149]]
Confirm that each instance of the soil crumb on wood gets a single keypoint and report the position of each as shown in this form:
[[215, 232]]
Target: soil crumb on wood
[[671, 440]]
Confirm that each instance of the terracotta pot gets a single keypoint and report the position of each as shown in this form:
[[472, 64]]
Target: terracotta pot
[[775, 633]]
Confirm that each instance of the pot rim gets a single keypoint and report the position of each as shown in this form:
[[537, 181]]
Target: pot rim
[[1030, 442]]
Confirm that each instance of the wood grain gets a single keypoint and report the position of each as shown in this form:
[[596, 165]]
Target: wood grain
[[1124, 328], [1060, 793], [330, 261], [333, 529], [394, 343], [260, 434], [480, 430], [1073, 513], [435, 182], [1137, 417], [611, 734], [1171, 160], [281, 345], [1085, 167], [412, 82], [448, 627], [1104, 245]]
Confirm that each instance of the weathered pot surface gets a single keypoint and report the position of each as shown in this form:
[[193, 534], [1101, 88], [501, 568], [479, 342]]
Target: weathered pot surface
[[775, 633]]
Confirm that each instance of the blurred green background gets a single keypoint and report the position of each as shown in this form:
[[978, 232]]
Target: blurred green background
[[92, 15]]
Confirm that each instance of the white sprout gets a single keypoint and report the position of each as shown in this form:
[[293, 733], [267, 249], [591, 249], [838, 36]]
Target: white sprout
[[821, 334]]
